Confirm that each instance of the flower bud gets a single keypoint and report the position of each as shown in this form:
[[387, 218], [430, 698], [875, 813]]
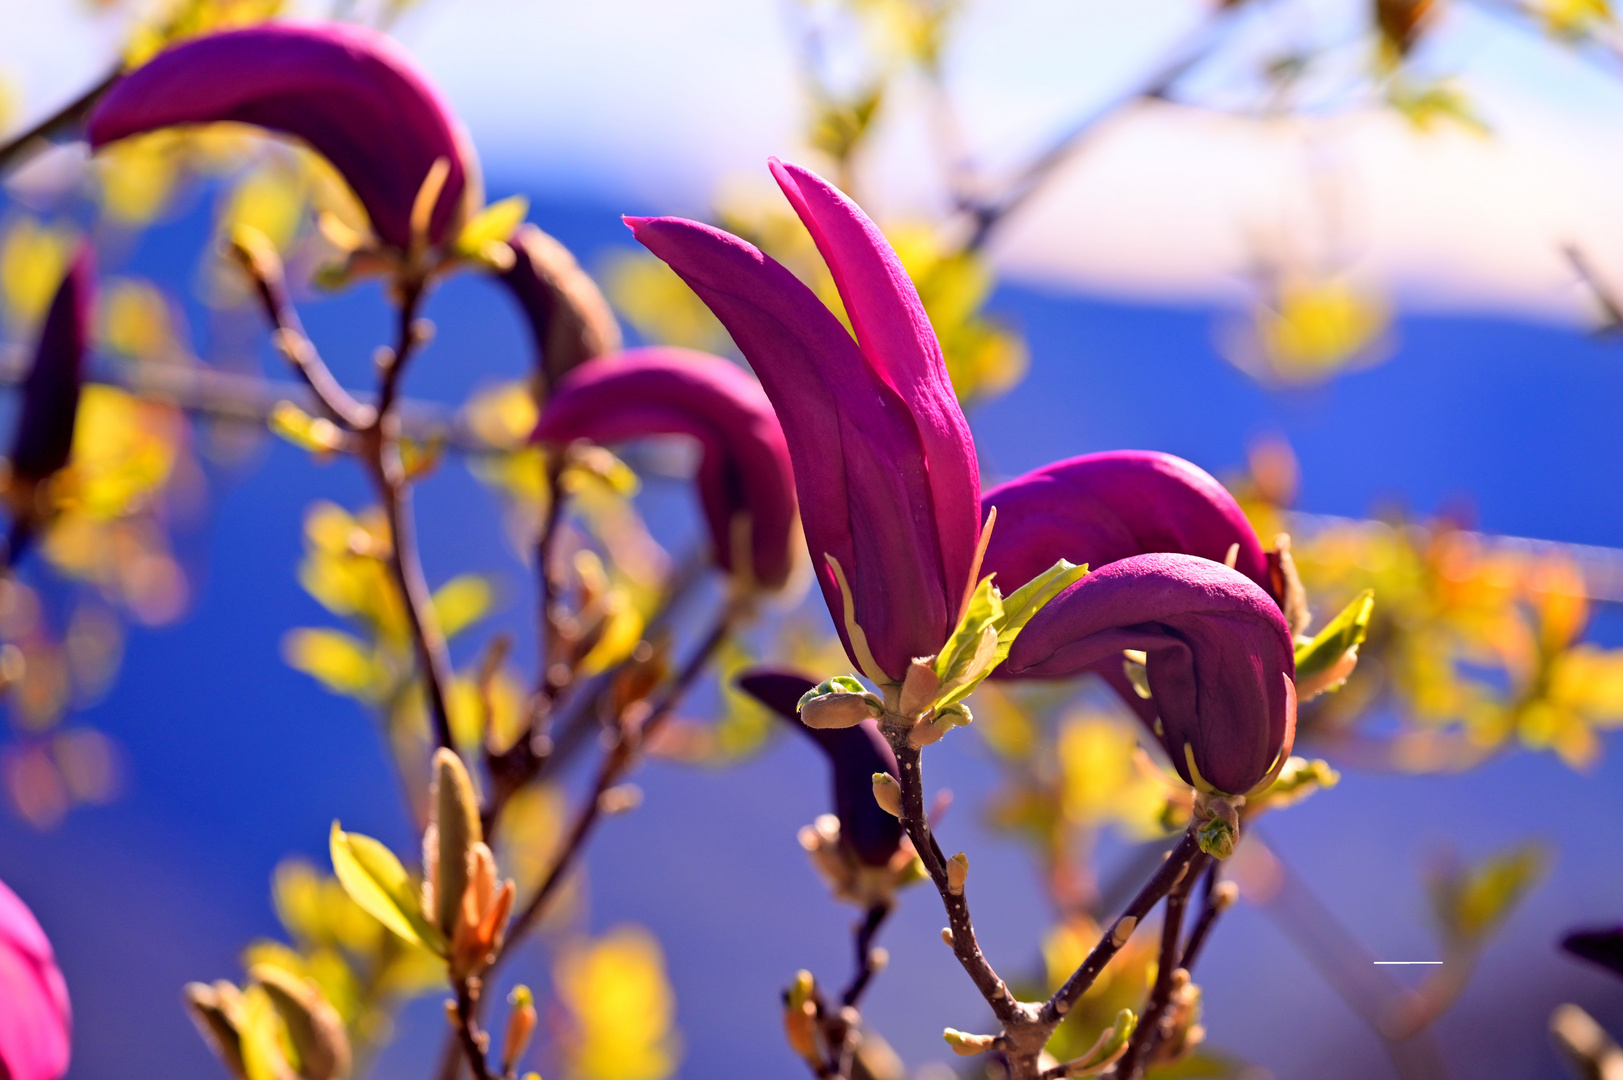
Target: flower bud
[[957, 873], [520, 1027], [217, 1012], [1219, 827], [887, 793], [453, 830], [313, 1026], [966, 1045], [921, 687], [800, 1016], [569, 319]]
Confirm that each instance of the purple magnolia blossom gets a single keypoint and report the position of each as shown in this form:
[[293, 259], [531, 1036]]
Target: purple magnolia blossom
[[744, 466], [351, 93], [34, 1014], [1219, 660], [854, 754], [1099, 508], [1603, 947], [50, 395], [883, 458]]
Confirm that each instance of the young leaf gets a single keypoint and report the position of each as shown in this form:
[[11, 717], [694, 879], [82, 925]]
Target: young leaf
[[1030, 598], [461, 602], [374, 879], [971, 651], [1343, 633], [494, 223]]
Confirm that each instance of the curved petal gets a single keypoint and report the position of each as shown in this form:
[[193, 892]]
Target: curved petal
[[855, 754], [745, 463], [897, 340], [1100, 508], [567, 315], [50, 393], [34, 1013], [351, 93], [859, 468], [1220, 660]]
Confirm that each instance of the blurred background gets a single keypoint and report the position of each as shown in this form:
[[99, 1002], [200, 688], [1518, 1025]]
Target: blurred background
[[1352, 259]]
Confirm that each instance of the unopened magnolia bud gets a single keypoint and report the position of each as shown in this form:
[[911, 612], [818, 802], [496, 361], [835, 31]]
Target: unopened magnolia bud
[[569, 318], [887, 793], [313, 1026], [456, 826], [966, 1045], [217, 1012], [920, 688], [946, 936], [1219, 828], [878, 959], [520, 1026], [840, 709], [957, 873], [1123, 930], [800, 1016], [1224, 895]]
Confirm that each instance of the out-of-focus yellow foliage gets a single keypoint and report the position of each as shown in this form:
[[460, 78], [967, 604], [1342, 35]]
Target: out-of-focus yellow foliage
[[621, 1008], [362, 969], [1121, 985], [1471, 902], [661, 307], [1107, 781], [136, 320], [33, 260], [176, 20], [1311, 327], [1572, 18], [138, 176]]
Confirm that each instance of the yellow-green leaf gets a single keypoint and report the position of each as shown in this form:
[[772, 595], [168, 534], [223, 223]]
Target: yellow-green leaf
[[375, 880], [342, 663], [1030, 598], [494, 224], [1343, 632], [461, 602]]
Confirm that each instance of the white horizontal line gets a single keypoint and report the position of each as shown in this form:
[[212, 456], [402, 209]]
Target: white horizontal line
[[1408, 961]]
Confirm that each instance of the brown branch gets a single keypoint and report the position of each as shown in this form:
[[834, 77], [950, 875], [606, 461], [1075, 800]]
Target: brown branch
[[617, 762], [1054, 1010], [472, 1040], [22, 146], [1210, 908], [1134, 1059], [962, 929], [866, 931]]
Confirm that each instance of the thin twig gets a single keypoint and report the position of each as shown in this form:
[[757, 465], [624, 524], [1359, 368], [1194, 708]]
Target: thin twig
[[964, 946], [468, 1033], [1116, 936], [1147, 1034], [550, 683], [1210, 909], [616, 763], [866, 931], [23, 145]]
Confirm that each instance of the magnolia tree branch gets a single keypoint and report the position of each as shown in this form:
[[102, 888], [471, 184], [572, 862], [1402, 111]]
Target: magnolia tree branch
[[1210, 908], [1169, 962], [20, 147], [632, 738], [474, 1042], [866, 931], [960, 931], [1161, 883]]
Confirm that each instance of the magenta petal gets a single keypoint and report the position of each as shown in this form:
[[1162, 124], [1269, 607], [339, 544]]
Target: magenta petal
[[1100, 508], [351, 93], [854, 754], [1220, 659], [859, 469], [897, 339], [50, 394], [745, 463], [34, 1012]]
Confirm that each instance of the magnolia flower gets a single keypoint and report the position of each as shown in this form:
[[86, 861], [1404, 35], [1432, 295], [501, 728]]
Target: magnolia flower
[[34, 1013], [567, 315], [745, 480], [859, 849], [350, 93], [883, 460], [1099, 508], [1217, 660]]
